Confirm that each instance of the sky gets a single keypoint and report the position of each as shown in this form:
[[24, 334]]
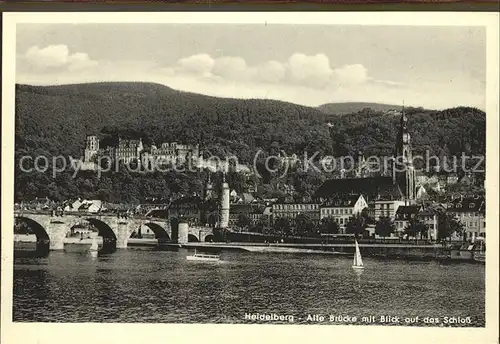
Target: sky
[[434, 67]]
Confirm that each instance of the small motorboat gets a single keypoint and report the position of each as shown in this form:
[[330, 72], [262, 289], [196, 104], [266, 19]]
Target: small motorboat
[[204, 257]]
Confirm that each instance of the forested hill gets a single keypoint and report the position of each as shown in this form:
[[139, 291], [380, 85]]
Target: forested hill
[[56, 119]]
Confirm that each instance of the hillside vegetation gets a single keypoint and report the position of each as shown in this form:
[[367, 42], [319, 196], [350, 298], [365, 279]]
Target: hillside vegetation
[[54, 120]]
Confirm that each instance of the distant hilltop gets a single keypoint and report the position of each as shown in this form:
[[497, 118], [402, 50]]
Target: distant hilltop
[[353, 107]]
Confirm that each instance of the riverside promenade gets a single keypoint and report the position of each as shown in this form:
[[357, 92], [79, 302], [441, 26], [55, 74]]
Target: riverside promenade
[[396, 250]]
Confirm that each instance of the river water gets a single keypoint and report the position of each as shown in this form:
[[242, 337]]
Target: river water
[[139, 285]]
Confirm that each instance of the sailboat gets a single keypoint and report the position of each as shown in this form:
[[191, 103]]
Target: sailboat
[[358, 262]]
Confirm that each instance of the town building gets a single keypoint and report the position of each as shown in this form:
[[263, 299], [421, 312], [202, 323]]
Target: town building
[[290, 210], [194, 210], [386, 208], [238, 210], [404, 215], [429, 217], [88, 206], [343, 208], [470, 212], [262, 214]]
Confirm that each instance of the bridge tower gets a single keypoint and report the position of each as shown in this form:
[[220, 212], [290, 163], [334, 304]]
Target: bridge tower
[[224, 214]]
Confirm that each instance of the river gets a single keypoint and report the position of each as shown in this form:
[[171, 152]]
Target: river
[[141, 285]]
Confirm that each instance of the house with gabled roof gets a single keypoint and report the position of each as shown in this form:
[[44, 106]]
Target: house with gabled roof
[[341, 209], [404, 215], [470, 212]]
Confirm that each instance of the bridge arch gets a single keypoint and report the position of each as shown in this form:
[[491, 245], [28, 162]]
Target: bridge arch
[[107, 234], [192, 238], [159, 231], [209, 238], [34, 227]]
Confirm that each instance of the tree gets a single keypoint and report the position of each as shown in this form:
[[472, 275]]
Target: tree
[[303, 224], [448, 225], [368, 219], [356, 225], [259, 227], [243, 221], [384, 227], [415, 228], [282, 225], [329, 225]]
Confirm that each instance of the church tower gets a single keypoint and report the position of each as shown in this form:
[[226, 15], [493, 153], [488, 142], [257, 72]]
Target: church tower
[[403, 171]]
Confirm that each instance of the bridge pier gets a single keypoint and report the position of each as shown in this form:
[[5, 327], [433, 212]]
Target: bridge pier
[[182, 236], [123, 232], [57, 233]]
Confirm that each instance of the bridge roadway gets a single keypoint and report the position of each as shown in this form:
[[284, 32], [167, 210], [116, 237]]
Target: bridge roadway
[[115, 229]]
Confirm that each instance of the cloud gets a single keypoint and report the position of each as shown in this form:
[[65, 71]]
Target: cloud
[[57, 56], [196, 64], [271, 71], [312, 70], [351, 74], [300, 78], [232, 68]]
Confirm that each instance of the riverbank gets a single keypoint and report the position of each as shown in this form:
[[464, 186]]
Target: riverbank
[[394, 251]]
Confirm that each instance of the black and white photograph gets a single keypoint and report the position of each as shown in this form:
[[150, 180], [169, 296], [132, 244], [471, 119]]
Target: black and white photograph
[[258, 172]]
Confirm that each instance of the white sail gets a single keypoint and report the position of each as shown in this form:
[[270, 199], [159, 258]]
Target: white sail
[[358, 262]]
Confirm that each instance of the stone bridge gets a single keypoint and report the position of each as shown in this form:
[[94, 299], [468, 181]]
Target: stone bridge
[[114, 229]]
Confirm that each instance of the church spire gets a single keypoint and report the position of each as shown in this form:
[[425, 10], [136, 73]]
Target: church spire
[[403, 172]]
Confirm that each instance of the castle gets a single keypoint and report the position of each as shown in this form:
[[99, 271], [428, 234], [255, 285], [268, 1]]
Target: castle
[[130, 150]]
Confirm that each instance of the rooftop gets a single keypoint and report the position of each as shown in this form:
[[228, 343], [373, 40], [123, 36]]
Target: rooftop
[[408, 209], [467, 204], [342, 201], [371, 188]]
